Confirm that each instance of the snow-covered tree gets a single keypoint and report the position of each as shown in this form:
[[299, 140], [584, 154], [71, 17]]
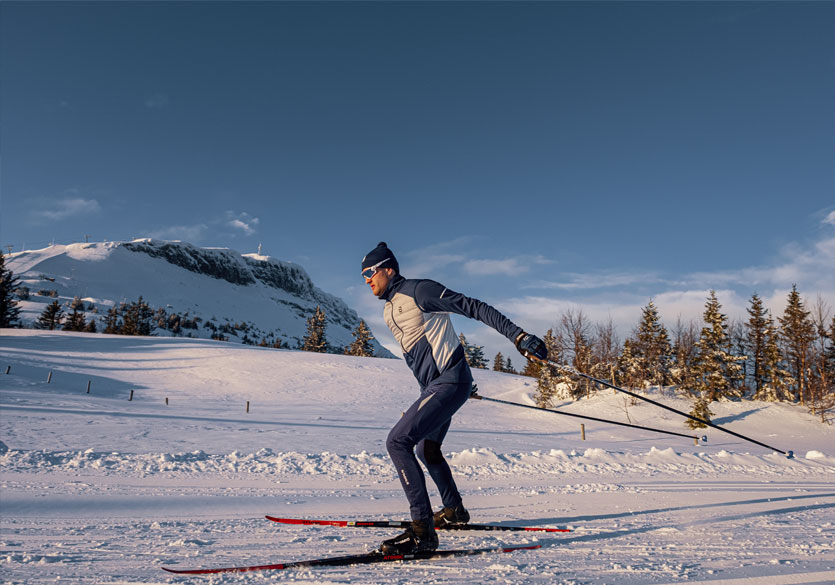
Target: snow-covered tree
[[552, 383], [474, 354], [717, 371], [314, 340], [76, 321], [651, 347], [797, 333], [9, 309], [51, 317], [361, 346]]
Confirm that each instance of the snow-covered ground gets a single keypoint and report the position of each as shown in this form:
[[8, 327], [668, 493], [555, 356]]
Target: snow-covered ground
[[97, 488]]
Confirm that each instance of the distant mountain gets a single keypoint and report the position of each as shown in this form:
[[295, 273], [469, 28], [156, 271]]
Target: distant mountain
[[239, 294]]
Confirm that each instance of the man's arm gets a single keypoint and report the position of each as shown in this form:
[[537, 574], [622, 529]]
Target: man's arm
[[436, 298]]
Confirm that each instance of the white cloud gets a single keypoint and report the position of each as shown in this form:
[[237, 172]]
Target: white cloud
[[60, 209], [830, 218], [192, 234], [510, 267], [242, 221]]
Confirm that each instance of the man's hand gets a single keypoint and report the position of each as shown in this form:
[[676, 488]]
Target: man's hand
[[531, 346]]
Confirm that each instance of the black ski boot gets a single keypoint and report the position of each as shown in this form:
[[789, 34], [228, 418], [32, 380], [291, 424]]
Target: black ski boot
[[418, 537], [447, 516]]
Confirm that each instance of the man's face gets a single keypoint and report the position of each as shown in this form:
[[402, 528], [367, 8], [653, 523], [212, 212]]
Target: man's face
[[380, 281]]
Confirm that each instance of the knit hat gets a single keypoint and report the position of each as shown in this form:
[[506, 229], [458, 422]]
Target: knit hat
[[377, 255]]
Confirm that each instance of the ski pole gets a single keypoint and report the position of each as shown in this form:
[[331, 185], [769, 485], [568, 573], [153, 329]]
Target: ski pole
[[478, 396], [788, 454]]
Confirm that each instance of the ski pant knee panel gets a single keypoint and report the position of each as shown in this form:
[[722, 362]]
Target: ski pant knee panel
[[429, 452]]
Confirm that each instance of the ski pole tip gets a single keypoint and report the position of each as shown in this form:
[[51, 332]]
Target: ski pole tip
[[789, 454], [704, 438]]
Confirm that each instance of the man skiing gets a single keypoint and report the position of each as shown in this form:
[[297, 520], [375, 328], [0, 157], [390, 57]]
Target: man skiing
[[417, 312]]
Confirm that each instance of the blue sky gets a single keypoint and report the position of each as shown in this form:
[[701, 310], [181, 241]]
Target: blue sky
[[539, 156]]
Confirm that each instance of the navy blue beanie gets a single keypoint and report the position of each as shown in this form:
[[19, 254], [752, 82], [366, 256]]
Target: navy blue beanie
[[378, 254]]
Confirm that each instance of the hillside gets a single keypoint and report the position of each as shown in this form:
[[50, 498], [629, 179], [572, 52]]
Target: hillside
[[98, 488], [213, 289]]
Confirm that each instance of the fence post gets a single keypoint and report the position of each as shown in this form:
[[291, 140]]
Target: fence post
[[247, 405], [49, 377], [166, 401], [131, 396], [88, 386], [8, 369], [583, 430]]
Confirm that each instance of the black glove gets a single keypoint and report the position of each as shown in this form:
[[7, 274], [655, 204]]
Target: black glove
[[531, 346]]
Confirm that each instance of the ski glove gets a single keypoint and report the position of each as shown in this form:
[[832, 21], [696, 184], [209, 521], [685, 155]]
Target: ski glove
[[531, 345]]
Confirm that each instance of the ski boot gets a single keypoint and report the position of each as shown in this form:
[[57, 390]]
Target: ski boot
[[418, 537], [447, 516]]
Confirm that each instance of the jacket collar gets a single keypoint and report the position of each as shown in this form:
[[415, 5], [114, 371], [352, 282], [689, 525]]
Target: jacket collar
[[394, 285]]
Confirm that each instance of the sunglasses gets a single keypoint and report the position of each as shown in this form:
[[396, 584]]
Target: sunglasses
[[369, 272]]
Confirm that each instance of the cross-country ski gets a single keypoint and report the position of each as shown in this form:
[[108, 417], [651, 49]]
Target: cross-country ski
[[359, 559], [404, 524]]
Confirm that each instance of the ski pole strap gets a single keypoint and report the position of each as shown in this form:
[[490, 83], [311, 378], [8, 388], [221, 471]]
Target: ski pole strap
[[477, 396], [788, 454]]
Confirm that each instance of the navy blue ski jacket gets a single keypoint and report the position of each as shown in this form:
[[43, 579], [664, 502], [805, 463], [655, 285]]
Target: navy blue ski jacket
[[417, 312]]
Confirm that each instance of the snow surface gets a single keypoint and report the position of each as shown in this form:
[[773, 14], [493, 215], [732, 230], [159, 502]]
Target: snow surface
[[97, 488]]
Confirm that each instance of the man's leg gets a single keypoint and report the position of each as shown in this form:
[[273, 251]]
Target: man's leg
[[428, 414], [429, 452]]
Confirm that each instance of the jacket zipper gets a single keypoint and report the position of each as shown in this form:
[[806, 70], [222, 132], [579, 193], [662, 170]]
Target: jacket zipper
[[400, 341]]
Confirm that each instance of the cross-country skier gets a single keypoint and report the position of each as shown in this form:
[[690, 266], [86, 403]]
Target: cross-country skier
[[417, 312]]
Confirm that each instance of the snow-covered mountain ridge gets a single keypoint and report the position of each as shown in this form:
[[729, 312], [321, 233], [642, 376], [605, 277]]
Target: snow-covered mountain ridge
[[271, 297]]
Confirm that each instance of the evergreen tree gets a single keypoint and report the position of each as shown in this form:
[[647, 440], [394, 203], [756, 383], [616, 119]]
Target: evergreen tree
[[137, 318], [756, 332], [797, 333], [701, 409], [508, 368], [76, 320], [474, 354], [91, 326], [629, 367], [532, 368], [776, 381], [651, 347], [314, 340], [552, 383], [498, 363], [361, 346], [717, 372], [9, 309], [112, 321], [51, 317]]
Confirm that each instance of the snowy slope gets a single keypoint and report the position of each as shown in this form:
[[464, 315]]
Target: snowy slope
[[100, 489], [216, 284]]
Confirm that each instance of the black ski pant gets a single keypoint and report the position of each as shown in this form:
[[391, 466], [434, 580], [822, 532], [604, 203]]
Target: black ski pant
[[422, 428]]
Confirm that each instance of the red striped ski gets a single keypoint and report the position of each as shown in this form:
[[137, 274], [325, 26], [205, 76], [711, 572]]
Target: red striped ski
[[360, 559], [406, 524]]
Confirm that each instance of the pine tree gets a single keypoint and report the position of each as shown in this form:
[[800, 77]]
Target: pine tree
[[651, 347], [717, 371], [137, 318], [51, 317], [112, 321], [76, 320], [9, 309], [474, 354], [629, 367], [314, 340], [797, 333], [361, 346], [476, 357], [776, 380], [508, 368], [756, 332], [498, 363], [552, 383], [701, 409]]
